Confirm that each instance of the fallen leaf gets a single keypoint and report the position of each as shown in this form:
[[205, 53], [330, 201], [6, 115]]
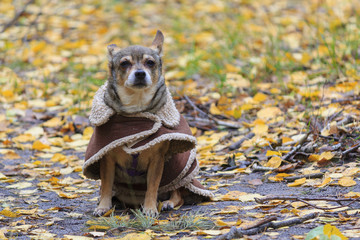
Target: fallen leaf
[[297, 182], [37, 145], [274, 162], [346, 182]]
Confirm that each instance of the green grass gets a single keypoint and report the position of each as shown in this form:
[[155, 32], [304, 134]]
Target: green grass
[[139, 221]]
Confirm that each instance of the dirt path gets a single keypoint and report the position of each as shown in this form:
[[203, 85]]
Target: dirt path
[[42, 213]]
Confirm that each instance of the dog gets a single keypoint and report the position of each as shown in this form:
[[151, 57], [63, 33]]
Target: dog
[[136, 91]]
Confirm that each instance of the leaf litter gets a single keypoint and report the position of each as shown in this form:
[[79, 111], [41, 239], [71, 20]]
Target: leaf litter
[[271, 91]]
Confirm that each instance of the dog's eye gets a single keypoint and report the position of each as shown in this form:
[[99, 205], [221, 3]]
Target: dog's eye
[[150, 63], [125, 64]]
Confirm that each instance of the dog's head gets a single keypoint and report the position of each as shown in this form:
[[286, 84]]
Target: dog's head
[[136, 67]]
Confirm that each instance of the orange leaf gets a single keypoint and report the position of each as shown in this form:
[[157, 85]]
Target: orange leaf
[[37, 145], [314, 158], [297, 182]]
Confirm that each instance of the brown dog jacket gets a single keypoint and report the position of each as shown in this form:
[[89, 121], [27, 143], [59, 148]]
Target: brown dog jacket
[[136, 133]]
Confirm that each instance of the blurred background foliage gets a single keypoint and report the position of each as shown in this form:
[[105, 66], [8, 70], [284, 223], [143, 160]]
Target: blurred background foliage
[[220, 46]]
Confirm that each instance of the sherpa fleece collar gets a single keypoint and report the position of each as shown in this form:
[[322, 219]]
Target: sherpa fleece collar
[[100, 112]]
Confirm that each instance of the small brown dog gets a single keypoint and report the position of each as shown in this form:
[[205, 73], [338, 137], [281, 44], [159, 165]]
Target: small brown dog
[[142, 148]]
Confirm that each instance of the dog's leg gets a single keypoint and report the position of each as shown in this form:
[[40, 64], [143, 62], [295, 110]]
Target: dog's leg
[[154, 174], [107, 174], [155, 170], [174, 201]]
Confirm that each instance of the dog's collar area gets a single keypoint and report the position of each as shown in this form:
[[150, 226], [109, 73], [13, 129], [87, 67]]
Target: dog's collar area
[[132, 172]]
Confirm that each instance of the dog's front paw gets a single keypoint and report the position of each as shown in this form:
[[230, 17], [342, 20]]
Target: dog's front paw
[[151, 212], [99, 211], [167, 205]]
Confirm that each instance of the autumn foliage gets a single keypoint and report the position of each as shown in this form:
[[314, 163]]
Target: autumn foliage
[[280, 78]]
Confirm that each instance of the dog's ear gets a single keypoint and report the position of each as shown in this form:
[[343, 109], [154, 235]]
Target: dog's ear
[[158, 42], [112, 50]]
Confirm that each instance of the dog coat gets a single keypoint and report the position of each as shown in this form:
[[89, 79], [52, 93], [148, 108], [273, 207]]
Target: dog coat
[[136, 133]]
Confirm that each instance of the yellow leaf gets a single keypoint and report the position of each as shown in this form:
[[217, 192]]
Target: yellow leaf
[[352, 195], [237, 80], [50, 103], [260, 97], [73, 237], [286, 139], [27, 212], [231, 68], [58, 157], [298, 204], [326, 155], [8, 213], [305, 58], [2, 176], [325, 182], [108, 213], [246, 106], [138, 236], [250, 197], [88, 133], [271, 153], [20, 185], [11, 155], [275, 91], [268, 113], [279, 177], [37, 145], [274, 162], [214, 110], [221, 223], [209, 232], [330, 230], [260, 129], [314, 158], [7, 93], [232, 196], [2, 234], [24, 138], [38, 46], [67, 195], [297, 182], [346, 182], [54, 122]]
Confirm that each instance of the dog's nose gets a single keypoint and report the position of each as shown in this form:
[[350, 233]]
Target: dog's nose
[[140, 74]]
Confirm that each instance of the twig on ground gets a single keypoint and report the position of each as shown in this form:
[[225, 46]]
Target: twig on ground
[[312, 175], [211, 121], [333, 116], [357, 145], [238, 232], [229, 135], [355, 98], [326, 208], [345, 121], [237, 144], [202, 114], [259, 168], [306, 199], [329, 137], [260, 222], [16, 17], [296, 148]]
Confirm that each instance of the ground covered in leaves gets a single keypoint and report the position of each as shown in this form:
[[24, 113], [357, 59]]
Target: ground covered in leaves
[[270, 89]]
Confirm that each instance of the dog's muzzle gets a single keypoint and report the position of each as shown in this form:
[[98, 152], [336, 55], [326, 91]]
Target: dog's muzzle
[[139, 79]]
